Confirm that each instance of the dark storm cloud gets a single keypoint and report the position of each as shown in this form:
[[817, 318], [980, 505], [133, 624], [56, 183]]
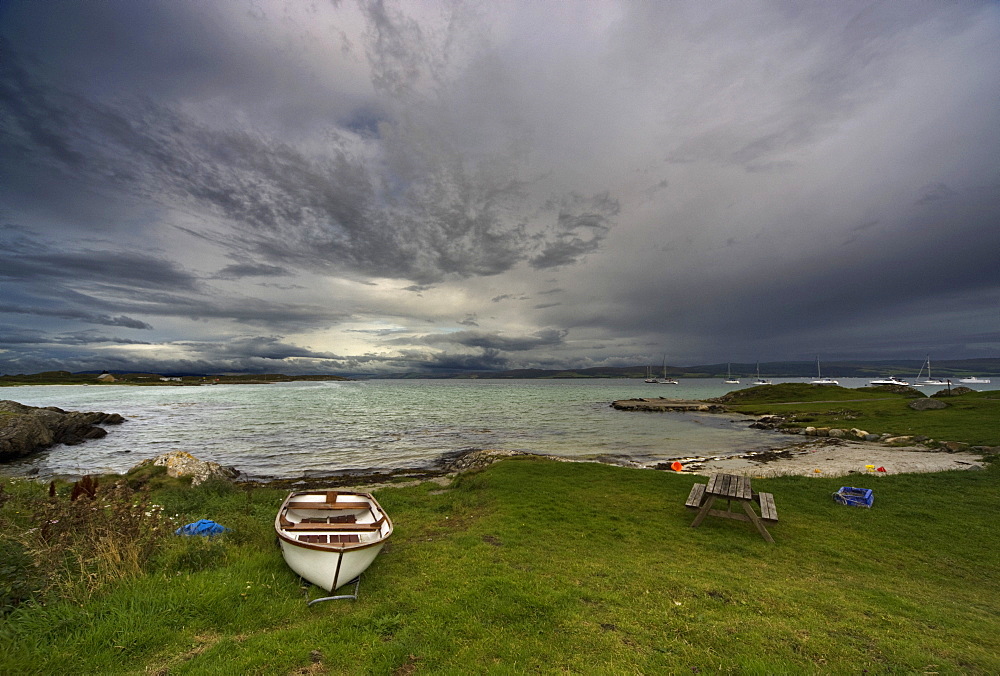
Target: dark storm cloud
[[713, 180], [496, 341], [291, 208], [485, 360], [88, 317], [260, 347], [98, 286]]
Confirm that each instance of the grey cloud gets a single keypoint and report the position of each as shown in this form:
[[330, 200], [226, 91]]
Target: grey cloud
[[461, 215], [240, 270], [486, 360], [581, 224], [714, 180], [260, 347], [67, 313], [495, 341], [28, 259], [935, 192]]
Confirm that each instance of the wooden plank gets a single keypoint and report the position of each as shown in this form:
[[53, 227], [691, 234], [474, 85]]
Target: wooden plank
[[695, 497], [703, 512], [713, 483], [335, 526], [327, 505], [768, 510], [728, 515], [336, 518], [752, 515], [745, 493], [332, 538]]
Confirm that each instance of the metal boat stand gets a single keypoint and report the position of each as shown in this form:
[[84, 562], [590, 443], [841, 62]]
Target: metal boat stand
[[356, 582]]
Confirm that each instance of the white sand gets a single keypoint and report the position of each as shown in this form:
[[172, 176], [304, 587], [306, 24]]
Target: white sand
[[841, 459]]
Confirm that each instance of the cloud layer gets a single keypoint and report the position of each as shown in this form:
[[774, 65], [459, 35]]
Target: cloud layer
[[383, 186]]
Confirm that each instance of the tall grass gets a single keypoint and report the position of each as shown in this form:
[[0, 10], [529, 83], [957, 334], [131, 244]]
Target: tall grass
[[541, 566]]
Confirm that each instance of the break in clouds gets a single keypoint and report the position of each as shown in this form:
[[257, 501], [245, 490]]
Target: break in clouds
[[365, 187]]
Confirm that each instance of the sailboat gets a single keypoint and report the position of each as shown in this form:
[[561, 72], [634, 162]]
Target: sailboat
[[820, 380], [760, 381], [649, 376], [666, 380], [930, 382], [729, 377]]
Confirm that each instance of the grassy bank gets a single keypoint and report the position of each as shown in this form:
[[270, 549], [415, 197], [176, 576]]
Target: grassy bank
[[972, 418], [541, 566]]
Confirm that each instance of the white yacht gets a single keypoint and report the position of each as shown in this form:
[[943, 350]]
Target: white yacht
[[760, 381], [729, 377], [889, 380], [820, 380], [929, 382]]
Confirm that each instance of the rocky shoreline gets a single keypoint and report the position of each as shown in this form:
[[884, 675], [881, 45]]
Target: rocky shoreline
[[25, 430]]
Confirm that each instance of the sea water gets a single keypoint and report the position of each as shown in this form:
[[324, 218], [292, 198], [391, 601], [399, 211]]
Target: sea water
[[298, 429]]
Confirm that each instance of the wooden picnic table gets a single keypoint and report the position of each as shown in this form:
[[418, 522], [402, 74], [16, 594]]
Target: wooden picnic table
[[732, 488]]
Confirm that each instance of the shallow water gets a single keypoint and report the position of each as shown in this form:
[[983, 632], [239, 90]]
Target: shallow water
[[319, 428]]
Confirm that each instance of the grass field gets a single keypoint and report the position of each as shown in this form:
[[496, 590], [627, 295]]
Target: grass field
[[542, 566], [972, 418]]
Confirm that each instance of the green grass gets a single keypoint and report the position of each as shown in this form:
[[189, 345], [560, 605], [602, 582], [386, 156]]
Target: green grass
[[972, 418], [542, 566]]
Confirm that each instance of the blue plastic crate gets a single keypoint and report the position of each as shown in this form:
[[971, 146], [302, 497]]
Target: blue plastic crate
[[856, 497]]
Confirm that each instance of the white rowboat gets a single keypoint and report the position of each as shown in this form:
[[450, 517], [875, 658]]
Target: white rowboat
[[330, 538]]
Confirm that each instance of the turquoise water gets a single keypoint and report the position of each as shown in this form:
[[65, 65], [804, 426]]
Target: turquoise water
[[319, 428]]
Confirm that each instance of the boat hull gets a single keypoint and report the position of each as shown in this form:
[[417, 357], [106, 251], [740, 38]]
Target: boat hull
[[330, 538], [325, 569]]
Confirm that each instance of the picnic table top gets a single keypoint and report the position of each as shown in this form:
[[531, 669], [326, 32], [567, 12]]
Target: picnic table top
[[731, 486]]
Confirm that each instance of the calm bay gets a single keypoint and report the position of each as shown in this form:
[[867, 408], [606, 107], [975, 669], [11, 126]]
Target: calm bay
[[301, 429]]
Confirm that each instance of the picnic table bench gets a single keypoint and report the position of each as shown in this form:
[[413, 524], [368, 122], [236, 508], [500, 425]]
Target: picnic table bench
[[732, 488]]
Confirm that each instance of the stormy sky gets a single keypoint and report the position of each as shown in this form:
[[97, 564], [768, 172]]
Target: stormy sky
[[374, 187]]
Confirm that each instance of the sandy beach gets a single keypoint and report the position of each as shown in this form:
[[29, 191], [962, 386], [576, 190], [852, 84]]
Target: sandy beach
[[829, 457]]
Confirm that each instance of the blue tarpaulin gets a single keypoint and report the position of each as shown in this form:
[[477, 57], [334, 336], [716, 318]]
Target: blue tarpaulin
[[201, 527]]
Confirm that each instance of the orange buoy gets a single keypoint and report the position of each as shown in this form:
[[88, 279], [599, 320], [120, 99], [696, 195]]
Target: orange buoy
[[676, 466]]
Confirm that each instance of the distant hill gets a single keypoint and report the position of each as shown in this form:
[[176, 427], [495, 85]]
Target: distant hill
[[946, 368], [907, 368], [127, 378]]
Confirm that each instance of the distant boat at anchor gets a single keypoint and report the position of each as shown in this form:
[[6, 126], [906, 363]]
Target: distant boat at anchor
[[760, 381], [974, 379], [820, 380], [888, 380], [929, 382], [729, 377]]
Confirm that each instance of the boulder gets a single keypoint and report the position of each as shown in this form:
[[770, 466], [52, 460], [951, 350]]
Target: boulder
[[183, 464], [926, 404], [953, 392], [955, 446], [28, 429]]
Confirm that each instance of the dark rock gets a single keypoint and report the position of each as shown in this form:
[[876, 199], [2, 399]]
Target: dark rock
[[28, 429], [953, 392], [926, 404]]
